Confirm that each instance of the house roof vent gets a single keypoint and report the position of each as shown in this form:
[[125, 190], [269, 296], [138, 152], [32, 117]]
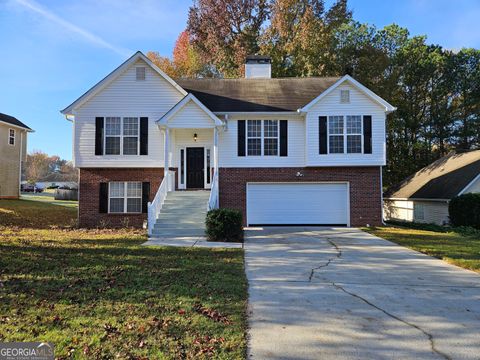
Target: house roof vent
[[258, 67]]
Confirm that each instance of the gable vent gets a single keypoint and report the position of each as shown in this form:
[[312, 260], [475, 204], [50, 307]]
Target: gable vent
[[344, 96], [140, 72]]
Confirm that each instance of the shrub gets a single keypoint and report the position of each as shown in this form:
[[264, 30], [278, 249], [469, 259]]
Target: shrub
[[464, 210], [224, 225]]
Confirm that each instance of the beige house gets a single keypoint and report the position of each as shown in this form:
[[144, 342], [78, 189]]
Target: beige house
[[13, 152]]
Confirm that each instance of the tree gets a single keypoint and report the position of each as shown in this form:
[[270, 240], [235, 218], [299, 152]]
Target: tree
[[226, 31], [186, 62], [36, 166], [300, 36]]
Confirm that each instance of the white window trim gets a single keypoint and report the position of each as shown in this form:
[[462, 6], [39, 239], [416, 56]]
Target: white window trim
[[125, 197], [121, 136], [344, 135], [11, 137], [262, 138], [356, 134]]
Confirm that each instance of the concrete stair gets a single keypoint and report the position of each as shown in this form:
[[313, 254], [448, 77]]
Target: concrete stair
[[182, 215]]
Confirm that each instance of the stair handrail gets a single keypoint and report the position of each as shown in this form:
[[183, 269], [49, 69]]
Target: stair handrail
[[156, 205], [213, 199]]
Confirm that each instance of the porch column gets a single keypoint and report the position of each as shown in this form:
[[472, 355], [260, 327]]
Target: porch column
[[215, 149], [166, 155]]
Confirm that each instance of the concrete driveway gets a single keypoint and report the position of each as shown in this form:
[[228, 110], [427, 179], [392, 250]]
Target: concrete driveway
[[318, 293]]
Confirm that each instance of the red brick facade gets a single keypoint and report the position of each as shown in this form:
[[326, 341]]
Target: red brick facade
[[365, 187], [89, 195]]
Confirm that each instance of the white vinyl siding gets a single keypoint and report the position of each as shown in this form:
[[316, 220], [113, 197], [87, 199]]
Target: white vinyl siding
[[125, 97], [360, 104], [297, 203], [125, 197], [191, 116], [434, 212], [227, 146]]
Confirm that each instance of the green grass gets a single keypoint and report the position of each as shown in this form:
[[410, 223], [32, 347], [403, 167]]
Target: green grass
[[48, 196], [455, 248], [99, 294]]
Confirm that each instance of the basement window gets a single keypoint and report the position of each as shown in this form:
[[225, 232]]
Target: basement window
[[125, 197]]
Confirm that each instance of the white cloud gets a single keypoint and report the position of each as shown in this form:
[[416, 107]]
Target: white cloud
[[86, 35]]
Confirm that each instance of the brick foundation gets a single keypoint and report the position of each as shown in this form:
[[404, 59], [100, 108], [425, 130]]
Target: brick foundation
[[365, 188], [89, 190]]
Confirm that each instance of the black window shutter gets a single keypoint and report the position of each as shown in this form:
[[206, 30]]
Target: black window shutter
[[144, 136], [103, 204], [367, 134], [145, 196], [241, 138], [283, 137], [322, 134], [99, 136]]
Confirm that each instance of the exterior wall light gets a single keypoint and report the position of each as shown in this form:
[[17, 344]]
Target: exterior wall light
[[195, 137]]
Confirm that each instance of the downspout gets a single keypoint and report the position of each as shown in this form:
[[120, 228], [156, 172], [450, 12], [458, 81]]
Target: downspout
[[381, 194]]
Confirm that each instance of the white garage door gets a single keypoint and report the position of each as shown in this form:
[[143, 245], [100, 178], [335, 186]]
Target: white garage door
[[297, 204]]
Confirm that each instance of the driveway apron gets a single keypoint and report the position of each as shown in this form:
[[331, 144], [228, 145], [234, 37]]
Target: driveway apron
[[323, 293]]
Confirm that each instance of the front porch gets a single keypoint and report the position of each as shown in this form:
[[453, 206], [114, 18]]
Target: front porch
[[190, 133]]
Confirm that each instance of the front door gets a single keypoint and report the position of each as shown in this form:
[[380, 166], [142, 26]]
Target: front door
[[195, 168]]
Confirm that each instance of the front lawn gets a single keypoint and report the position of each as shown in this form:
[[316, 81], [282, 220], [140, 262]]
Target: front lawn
[[100, 294], [455, 248]]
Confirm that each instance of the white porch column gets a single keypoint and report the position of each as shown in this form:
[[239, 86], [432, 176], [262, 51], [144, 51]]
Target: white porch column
[[215, 149], [166, 155]]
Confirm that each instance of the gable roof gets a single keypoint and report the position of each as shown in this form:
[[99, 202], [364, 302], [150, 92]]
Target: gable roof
[[256, 95], [113, 75], [347, 78], [181, 104], [13, 121], [443, 179]]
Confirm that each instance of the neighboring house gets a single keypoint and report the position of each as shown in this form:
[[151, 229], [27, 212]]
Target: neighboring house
[[424, 196], [13, 152], [294, 151]]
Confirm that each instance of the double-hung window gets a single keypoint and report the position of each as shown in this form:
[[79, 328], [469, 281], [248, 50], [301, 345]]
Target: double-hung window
[[262, 137], [121, 135], [113, 128], [345, 134], [254, 137], [270, 137], [125, 197], [335, 135], [130, 136], [11, 136], [354, 134]]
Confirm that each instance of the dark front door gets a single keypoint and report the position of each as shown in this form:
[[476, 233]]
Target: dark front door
[[195, 168]]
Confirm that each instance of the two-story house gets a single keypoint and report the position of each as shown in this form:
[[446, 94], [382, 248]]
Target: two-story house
[[13, 152], [294, 151]]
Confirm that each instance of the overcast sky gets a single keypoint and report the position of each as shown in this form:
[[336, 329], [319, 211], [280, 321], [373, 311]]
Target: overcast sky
[[51, 52]]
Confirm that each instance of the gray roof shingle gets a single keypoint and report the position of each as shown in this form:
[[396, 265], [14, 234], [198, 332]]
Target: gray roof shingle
[[256, 95], [443, 179], [14, 121]]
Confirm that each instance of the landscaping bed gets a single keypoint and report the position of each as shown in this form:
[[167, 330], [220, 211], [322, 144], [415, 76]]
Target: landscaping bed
[[100, 294]]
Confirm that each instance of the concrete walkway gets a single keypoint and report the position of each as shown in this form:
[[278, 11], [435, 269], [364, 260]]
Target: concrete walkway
[[344, 294]]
